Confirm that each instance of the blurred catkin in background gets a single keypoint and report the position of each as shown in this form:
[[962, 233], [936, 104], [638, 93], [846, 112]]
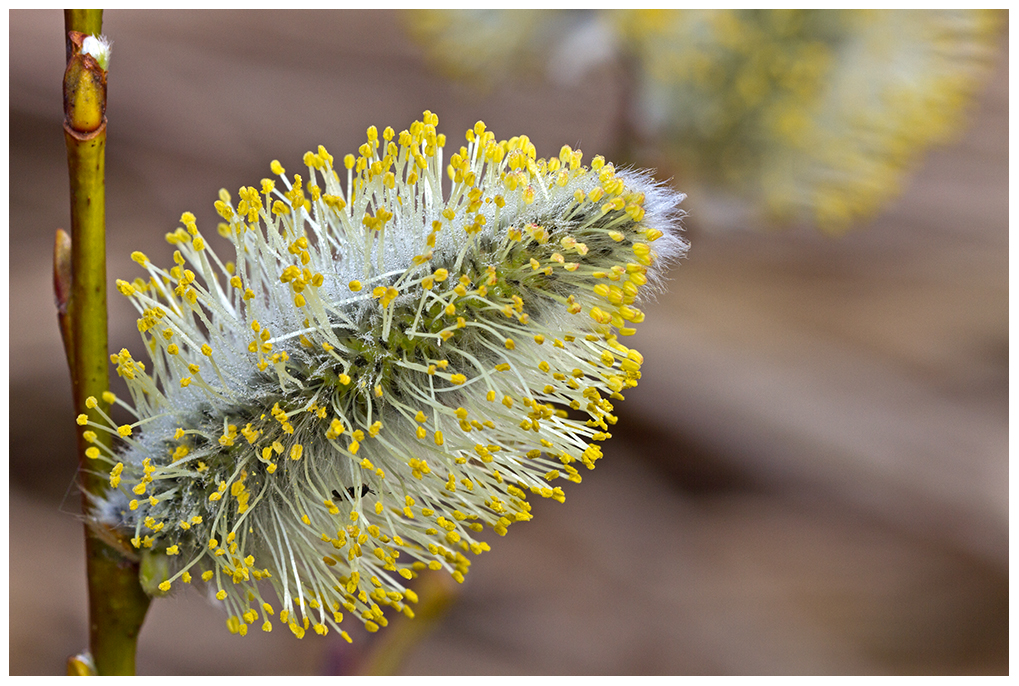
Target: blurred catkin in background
[[771, 116]]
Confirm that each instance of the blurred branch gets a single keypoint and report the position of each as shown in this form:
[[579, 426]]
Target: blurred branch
[[436, 592]]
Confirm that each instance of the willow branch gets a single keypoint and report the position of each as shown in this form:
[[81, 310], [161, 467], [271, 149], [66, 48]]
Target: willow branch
[[117, 604]]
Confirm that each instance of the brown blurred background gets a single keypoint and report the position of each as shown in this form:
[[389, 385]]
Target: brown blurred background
[[811, 478]]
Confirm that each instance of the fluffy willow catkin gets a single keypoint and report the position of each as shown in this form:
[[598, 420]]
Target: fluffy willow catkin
[[384, 369]]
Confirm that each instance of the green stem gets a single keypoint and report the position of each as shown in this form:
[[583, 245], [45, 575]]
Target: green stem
[[87, 305], [89, 22], [117, 604]]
